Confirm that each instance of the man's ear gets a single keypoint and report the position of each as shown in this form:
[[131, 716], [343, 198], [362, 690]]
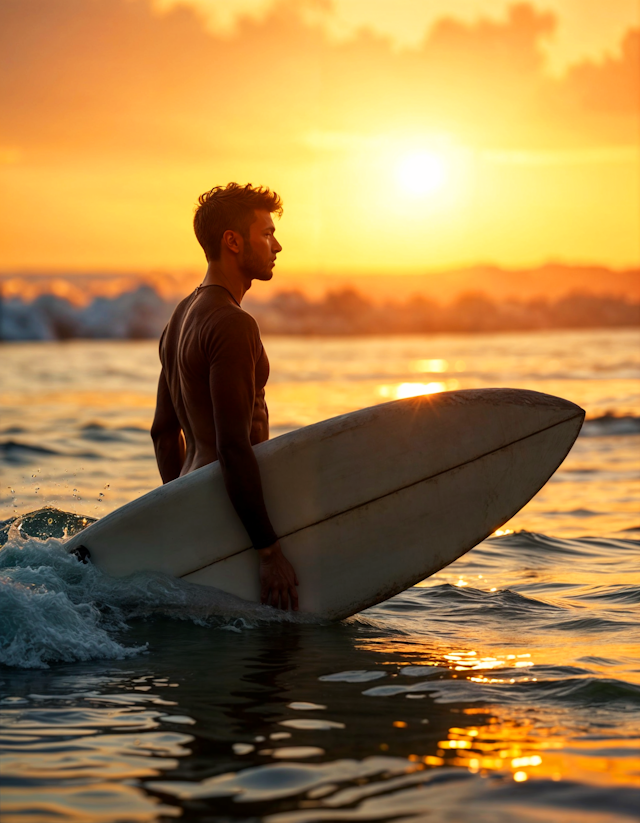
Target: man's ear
[[232, 241]]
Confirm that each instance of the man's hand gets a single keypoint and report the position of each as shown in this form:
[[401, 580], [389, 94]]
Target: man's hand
[[278, 579]]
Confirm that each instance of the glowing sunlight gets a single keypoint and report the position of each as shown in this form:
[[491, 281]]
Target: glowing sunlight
[[423, 174], [404, 390]]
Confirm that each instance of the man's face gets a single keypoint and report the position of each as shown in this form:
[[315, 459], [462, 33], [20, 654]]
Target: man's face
[[260, 249]]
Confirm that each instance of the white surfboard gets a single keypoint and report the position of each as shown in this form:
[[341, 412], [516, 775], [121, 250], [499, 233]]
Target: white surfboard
[[365, 504]]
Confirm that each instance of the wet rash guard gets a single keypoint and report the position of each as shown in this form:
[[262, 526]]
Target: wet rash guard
[[216, 369]]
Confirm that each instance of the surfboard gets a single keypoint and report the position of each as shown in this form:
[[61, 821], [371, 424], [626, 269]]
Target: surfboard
[[365, 505]]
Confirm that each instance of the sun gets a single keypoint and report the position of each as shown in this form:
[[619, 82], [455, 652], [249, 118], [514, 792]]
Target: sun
[[423, 173]]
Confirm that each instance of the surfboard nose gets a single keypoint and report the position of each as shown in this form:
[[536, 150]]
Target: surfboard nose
[[555, 407], [548, 400]]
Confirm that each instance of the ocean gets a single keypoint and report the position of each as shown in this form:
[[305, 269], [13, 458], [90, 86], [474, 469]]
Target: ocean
[[504, 688]]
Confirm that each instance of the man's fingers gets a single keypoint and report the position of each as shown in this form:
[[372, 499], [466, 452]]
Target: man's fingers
[[278, 589]]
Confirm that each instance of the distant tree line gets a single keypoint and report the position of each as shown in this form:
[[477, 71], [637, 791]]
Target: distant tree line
[[142, 313]]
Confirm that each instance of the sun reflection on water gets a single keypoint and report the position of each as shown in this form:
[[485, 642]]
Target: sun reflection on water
[[518, 745], [507, 741], [431, 366]]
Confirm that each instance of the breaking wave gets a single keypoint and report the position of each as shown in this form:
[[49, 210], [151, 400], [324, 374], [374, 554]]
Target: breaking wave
[[55, 609], [611, 424]]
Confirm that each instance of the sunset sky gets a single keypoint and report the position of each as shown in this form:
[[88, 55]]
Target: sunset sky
[[403, 136]]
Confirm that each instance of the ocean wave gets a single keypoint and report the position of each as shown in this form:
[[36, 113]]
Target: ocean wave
[[617, 594], [137, 314], [457, 603], [391, 788], [18, 453], [550, 608], [54, 605], [11, 447], [609, 424], [97, 433], [540, 544], [55, 609], [587, 691], [142, 313], [48, 610], [97, 426], [44, 523], [593, 624], [523, 543], [541, 685]]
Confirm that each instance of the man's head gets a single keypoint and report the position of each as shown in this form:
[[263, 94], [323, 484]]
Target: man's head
[[231, 208]]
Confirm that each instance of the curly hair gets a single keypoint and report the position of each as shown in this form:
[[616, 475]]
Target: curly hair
[[230, 207]]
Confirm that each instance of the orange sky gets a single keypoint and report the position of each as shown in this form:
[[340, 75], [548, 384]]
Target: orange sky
[[443, 134]]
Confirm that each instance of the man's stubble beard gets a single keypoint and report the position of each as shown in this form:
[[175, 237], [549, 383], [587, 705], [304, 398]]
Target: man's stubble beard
[[251, 267]]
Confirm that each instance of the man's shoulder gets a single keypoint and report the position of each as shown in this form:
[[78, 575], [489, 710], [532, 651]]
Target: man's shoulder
[[177, 315], [172, 329], [228, 328], [229, 319]]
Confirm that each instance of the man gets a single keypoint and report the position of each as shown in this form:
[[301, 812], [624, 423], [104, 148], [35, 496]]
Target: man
[[211, 403]]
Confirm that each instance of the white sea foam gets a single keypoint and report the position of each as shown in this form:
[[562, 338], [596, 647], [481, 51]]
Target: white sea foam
[[48, 609], [56, 609], [140, 313]]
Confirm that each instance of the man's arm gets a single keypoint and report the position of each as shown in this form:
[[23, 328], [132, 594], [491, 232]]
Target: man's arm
[[232, 361], [167, 436], [241, 473]]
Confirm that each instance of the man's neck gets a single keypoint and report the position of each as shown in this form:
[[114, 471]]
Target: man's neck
[[230, 279]]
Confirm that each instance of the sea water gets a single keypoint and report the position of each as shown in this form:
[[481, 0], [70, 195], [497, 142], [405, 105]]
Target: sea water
[[504, 688]]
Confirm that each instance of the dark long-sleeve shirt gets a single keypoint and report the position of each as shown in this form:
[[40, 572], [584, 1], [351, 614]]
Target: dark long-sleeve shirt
[[216, 368]]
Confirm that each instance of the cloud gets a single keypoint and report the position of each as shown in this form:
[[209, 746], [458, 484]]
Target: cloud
[[611, 87], [119, 77]]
